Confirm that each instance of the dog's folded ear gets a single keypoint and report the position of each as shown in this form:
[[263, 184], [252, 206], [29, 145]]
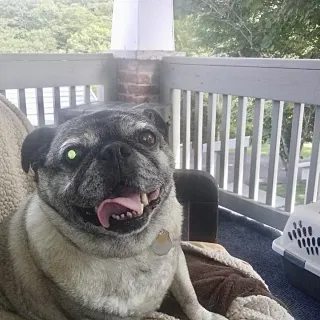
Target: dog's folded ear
[[158, 121], [35, 147]]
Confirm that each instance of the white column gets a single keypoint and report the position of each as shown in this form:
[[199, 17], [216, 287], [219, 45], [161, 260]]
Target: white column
[[143, 25]]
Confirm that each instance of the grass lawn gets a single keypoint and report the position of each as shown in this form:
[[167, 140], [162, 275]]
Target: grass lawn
[[281, 188], [305, 152], [281, 191]]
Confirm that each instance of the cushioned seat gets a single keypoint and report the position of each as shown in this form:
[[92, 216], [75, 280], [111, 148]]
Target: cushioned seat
[[223, 283], [14, 184]]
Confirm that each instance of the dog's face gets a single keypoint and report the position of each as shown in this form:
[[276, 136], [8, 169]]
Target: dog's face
[[104, 172]]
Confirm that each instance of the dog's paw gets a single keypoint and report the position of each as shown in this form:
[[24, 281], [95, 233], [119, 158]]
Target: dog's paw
[[216, 316], [159, 316], [207, 315]]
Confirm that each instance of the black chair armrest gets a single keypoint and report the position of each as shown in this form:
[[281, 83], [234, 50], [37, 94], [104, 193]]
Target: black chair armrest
[[198, 192]]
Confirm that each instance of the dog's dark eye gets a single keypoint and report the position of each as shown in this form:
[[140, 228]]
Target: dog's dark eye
[[147, 138], [73, 155]]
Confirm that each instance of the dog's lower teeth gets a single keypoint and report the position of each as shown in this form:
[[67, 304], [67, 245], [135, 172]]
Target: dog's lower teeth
[[144, 199], [124, 216]]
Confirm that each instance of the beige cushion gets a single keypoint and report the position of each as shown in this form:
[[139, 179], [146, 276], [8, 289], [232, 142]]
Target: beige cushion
[[14, 183]]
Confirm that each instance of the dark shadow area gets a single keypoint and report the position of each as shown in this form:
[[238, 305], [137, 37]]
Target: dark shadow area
[[251, 241]]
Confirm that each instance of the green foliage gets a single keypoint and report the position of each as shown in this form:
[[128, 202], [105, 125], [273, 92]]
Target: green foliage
[[59, 26], [186, 38], [94, 38], [253, 28]]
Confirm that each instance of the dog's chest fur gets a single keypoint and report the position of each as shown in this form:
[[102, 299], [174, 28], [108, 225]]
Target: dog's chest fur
[[122, 287]]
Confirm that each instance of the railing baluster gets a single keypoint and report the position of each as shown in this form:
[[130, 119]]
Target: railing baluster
[[87, 93], [3, 92], [239, 153], [294, 154], [101, 93], [73, 99], [225, 134], [211, 128], [187, 126], [197, 140], [176, 109], [40, 106], [22, 101], [256, 149], [56, 104], [314, 171], [277, 114]]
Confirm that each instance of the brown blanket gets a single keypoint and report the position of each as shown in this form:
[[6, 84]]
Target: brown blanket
[[227, 286]]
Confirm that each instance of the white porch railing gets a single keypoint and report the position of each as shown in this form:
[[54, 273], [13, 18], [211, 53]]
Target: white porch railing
[[194, 86], [45, 81], [278, 80]]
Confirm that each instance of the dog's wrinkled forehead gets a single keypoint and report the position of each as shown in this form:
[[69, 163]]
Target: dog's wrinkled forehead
[[89, 130]]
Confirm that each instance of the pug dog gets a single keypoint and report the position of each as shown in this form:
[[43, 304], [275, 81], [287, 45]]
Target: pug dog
[[100, 237]]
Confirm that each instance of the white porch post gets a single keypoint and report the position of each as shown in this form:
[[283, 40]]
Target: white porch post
[[142, 34], [143, 25]]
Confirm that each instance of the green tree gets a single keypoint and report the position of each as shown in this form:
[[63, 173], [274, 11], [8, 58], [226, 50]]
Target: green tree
[[61, 26], [95, 37], [253, 28]]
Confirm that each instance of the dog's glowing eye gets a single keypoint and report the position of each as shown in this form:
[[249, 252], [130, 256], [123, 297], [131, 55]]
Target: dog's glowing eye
[[147, 138], [72, 154]]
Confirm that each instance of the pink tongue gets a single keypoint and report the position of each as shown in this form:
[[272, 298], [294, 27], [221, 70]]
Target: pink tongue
[[117, 206]]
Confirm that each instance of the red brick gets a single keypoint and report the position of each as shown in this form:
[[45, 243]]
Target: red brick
[[127, 77], [141, 90], [139, 99], [149, 66], [138, 78], [144, 78], [151, 78], [121, 88]]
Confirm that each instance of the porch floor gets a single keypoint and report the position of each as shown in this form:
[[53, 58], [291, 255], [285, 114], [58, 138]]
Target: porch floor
[[251, 241]]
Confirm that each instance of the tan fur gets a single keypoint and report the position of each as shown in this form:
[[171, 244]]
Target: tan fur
[[14, 184], [43, 260], [56, 266]]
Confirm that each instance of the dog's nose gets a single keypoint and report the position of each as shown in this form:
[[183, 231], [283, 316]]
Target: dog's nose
[[116, 150]]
